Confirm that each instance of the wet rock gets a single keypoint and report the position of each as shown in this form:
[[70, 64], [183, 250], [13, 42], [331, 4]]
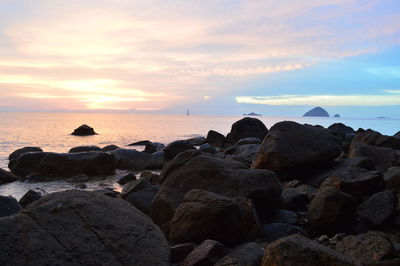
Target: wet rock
[[135, 160], [301, 251], [214, 138], [140, 143], [110, 147], [275, 231], [206, 254], [376, 209], [84, 149], [205, 215], [7, 177], [248, 254], [21, 151], [8, 206], [246, 128], [295, 151], [81, 228], [126, 179], [293, 199], [331, 211], [197, 170], [392, 178], [176, 147], [382, 157], [153, 147], [29, 197], [366, 248], [180, 251], [372, 137], [84, 130], [206, 147]]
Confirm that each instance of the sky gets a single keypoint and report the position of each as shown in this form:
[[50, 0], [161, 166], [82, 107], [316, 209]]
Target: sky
[[225, 57]]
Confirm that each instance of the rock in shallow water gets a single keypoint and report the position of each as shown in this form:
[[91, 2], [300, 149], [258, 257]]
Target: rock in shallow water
[[29, 197], [8, 206], [7, 177], [84, 130]]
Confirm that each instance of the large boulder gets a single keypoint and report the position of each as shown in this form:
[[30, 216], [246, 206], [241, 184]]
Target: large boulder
[[7, 177], [392, 178], [215, 138], [382, 157], [243, 153], [377, 208], [176, 147], [196, 170], [317, 112], [84, 130], [372, 137], [137, 161], [8, 206], [331, 211], [81, 228], [295, 151], [245, 128], [301, 251], [205, 215], [17, 153], [248, 254], [153, 147], [84, 149], [341, 130], [140, 193], [58, 165]]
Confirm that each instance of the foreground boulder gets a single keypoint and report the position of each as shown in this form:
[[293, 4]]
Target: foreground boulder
[[294, 151], [341, 130], [17, 153], [84, 149], [382, 157], [135, 160], [8, 206], [215, 138], [7, 177], [301, 251], [57, 165], [176, 147], [375, 138], [84, 130], [29, 197], [196, 170], [377, 208], [245, 128], [81, 228]]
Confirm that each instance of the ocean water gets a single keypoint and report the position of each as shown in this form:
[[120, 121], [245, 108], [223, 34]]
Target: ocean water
[[51, 132]]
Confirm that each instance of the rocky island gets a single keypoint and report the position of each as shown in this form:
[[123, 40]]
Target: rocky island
[[292, 194], [317, 112]]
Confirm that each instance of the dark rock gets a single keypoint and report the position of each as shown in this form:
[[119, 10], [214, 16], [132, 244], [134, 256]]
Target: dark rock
[[135, 160], [142, 199], [57, 165], [331, 210], [126, 179], [140, 143], [153, 147], [248, 254], [248, 141], [206, 147], [366, 248], [134, 186], [317, 112], [392, 178], [382, 157], [275, 231], [76, 179], [29, 197], [301, 251], [336, 115], [397, 135], [7, 177], [293, 199], [197, 141], [176, 147], [244, 153], [8, 206], [340, 130], [246, 128], [110, 148], [294, 151], [84, 149], [376, 209], [214, 138], [81, 186], [180, 251], [84, 130], [356, 181], [21, 151], [372, 137], [152, 177], [81, 228], [205, 215], [197, 170], [283, 216], [206, 254], [300, 187]]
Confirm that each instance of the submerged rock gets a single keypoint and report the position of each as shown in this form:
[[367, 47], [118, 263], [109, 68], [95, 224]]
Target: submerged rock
[[317, 112], [140, 143], [84, 130]]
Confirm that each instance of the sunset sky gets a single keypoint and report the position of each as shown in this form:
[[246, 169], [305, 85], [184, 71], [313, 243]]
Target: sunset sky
[[213, 57]]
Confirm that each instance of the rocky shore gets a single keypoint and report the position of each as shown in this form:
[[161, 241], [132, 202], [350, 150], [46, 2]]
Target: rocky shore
[[292, 194]]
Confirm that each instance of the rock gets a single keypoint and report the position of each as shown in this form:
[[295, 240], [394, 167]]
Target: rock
[[84, 149], [397, 135], [197, 141], [208, 148], [136, 161], [248, 254], [214, 138], [301, 251], [294, 151], [376, 209], [275, 231], [110, 148], [140, 193], [196, 170], [246, 128], [7, 177], [374, 138], [336, 115], [356, 181], [176, 147], [81, 228], [283, 216], [206, 254], [140, 143], [8, 206], [294, 200], [317, 112], [29, 197], [77, 179], [331, 211], [244, 153], [340, 130], [366, 248], [21, 151], [298, 187], [392, 178], [84, 130], [248, 141], [205, 215], [180, 251], [126, 179], [54, 166], [134, 186], [382, 157], [153, 147], [152, 177]]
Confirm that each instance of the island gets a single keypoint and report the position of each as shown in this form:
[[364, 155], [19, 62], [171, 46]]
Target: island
[[317, 112], [252, 114], [336, 115]]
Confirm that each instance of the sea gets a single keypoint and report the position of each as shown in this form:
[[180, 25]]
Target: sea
[[52, 132]]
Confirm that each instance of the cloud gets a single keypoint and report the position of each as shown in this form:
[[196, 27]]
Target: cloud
[[323, 100]]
